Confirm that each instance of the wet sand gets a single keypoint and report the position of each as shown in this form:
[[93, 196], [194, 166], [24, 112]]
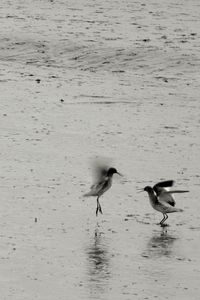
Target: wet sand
[[118, 79]]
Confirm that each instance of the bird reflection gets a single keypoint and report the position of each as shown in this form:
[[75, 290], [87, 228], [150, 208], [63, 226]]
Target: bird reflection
[[98, 262], [161, 244]]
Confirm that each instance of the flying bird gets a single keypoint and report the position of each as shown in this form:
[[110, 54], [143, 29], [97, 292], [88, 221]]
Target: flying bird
[[103, 182], [161, 198]]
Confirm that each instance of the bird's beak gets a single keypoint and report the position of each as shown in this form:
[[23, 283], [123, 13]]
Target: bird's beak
[[140, 190], [119, 174]]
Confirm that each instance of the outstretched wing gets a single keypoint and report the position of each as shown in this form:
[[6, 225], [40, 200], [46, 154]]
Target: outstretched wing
[[177, 191], [166, 197], [161, 186], [164, 194]]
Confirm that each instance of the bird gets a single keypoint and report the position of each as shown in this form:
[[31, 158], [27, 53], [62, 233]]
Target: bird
[[102, 183], [161, 198]]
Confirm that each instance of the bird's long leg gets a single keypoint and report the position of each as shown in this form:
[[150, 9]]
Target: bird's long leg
[[99, 206], [166, 217], [97, 209], [163, 220]]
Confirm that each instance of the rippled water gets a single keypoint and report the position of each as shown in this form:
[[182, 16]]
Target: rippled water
[[80, 79]]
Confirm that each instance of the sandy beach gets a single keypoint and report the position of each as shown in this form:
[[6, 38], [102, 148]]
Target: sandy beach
[[80, 79]]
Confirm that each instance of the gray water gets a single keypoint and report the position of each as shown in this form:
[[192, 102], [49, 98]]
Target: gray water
[[117, 79]]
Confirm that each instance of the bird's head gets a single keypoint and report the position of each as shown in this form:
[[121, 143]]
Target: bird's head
[[112, 171], [148, 189]]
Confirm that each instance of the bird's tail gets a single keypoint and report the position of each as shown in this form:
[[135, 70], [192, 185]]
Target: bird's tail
[[174, 209], [88, 194]]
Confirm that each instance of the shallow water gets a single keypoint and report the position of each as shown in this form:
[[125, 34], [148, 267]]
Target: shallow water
[[118, 79]]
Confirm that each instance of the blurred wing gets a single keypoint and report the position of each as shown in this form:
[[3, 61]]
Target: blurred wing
[[100, 187], [160, 186], [99, 173], [99, 169]]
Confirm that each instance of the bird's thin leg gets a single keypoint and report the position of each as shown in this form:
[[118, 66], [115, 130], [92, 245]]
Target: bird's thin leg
[[163, 220], [97, 209], [166, 217], [99, 206], [100, 209]]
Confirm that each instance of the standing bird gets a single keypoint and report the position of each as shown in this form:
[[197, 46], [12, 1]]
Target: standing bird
[[102, 184], [161, 198]]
